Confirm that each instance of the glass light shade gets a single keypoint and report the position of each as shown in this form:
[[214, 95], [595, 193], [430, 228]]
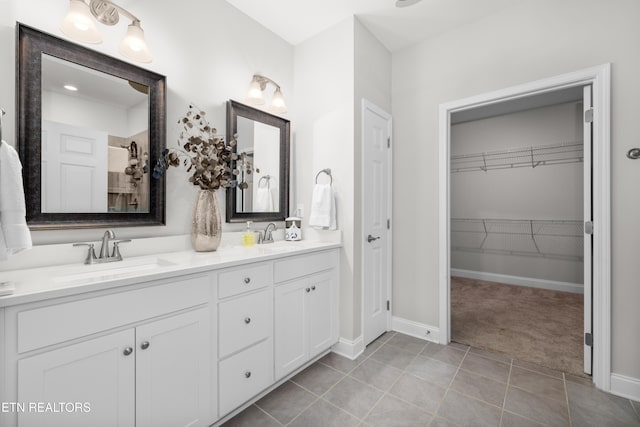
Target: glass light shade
[[254, 96], [79, 25], [134, 46], [277, 103]]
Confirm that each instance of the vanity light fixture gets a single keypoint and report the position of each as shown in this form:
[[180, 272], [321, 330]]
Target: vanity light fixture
[[255, 96], [78, 25]]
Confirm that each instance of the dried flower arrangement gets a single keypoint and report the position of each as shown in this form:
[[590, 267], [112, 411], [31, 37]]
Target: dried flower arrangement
[[204, 153]]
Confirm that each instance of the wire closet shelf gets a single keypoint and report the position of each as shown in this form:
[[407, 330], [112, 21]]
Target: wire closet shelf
[[543, 155], [558, 239]]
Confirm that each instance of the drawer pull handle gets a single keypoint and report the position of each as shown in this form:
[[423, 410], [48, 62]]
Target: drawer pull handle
[[144, 345], [247, 280], [313, 288], [247, 320], [247, 374], [127, 351], [308, 290]]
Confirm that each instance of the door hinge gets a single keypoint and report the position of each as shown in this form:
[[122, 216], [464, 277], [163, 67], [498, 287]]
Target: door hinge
[[388, 142], [588, 116], [588, 339], [588, 227], [388, 224], [388, 305]]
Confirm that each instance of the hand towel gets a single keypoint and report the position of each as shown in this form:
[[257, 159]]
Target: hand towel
[[14, 233], [323, 208], [264, 200]]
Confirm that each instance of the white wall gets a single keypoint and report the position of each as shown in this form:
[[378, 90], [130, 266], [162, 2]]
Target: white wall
[[530, 41], [552, 192], [324, 138], [372, 82], [207, 50]]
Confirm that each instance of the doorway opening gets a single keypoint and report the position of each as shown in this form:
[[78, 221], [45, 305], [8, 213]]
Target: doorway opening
[[517, 189], [596, 310]]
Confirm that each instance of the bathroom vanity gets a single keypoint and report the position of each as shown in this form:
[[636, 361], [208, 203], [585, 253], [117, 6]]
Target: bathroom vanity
[[174, 339]]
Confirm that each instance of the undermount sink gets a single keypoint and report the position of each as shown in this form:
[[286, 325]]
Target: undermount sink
[[112, 270]]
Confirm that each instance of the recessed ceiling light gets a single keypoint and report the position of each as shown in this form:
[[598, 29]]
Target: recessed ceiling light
[[405, 3], [71, 88]]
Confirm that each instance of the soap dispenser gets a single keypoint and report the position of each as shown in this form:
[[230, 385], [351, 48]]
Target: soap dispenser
[[248, 238]]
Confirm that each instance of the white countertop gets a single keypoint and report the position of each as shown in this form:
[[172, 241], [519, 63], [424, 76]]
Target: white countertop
[[35, 284]]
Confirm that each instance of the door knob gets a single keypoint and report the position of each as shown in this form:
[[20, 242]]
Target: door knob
[[370, 238], [247, 320], [247, 374], [313, 288], [247, 280], [144, 345], [308, 289], [127, 351]]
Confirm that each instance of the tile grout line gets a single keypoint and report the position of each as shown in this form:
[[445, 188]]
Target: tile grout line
[[506, 393], [448, 388], [321, 396], [566, 397], [386, 392], [268, 414]]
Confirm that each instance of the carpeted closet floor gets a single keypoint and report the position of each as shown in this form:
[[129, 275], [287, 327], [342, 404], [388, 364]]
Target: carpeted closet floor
[[533, 325]]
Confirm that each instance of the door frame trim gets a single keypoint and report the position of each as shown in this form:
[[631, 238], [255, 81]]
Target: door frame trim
[[600, 79], [366, 104]]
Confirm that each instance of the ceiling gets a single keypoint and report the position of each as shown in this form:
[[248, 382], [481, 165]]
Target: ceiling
[[297, 20]]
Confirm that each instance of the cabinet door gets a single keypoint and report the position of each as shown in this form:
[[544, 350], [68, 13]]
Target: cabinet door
[[321, 319], [96, 372], [291, 340], [173, 360]]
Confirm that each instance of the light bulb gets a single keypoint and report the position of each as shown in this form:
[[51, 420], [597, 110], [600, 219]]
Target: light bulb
[[277, 103], [255, 96], [133, 45], [79, 25]]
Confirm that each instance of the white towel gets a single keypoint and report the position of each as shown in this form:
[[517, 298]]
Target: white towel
[[323, 208], [14, 233], [264, 200]]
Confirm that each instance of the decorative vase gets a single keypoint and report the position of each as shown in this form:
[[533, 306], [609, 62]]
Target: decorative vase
[[206, 230]]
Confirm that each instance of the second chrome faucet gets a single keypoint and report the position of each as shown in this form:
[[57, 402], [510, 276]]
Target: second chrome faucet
[[105, 256]]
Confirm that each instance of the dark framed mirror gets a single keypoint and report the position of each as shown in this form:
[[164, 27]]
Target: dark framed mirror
[[90, 129], [263, 147]]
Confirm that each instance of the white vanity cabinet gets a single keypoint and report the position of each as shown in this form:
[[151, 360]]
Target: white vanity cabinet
[[306, 321], [136, 358], [245, 334]]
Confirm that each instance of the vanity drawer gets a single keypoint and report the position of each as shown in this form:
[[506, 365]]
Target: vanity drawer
[[244, 279], [303, 265], [52, 324], [244, 375], [245, 321]]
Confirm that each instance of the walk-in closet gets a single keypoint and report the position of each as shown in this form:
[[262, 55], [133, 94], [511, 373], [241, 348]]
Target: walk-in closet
[[517, 234]]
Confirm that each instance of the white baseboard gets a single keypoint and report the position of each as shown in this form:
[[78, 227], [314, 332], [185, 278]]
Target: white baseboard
[[348, 348], [624, 386], [415, 329], [553, 285]]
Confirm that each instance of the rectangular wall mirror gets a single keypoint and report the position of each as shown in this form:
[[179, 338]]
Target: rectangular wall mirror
[[262, 146], [90, 129]]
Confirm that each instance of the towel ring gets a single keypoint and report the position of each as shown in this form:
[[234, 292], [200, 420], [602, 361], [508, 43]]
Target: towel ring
[[266, 177], [328, 172]]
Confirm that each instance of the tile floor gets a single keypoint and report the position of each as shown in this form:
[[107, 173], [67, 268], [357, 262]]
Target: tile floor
[[404, 381]]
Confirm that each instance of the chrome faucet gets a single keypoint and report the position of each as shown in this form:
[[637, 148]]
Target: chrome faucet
[[108, 236], [104, 249], [267, 236]]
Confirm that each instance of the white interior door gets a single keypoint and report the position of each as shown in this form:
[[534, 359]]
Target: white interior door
[[588, 238], [376, 135], [74, 168]]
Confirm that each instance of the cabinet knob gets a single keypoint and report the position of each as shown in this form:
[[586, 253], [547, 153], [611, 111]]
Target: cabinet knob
[[308, 290], [144, 345], [127, 351], [247, 320], [247, 280], [247, 374], [313, 288]]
